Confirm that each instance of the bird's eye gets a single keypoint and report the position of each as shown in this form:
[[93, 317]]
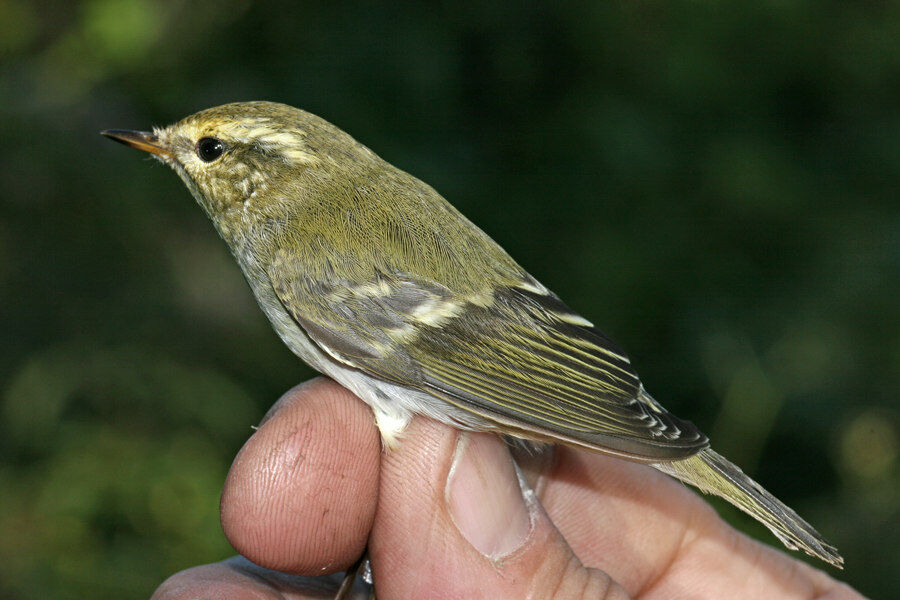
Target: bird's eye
[[209, 149]]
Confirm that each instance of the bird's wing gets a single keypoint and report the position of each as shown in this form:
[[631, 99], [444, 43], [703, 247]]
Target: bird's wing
[[517, 356]]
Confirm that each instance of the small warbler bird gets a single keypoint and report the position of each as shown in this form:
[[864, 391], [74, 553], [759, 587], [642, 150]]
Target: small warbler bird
[[375, 280]]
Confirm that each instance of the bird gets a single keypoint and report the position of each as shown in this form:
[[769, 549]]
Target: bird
[[372, 278]]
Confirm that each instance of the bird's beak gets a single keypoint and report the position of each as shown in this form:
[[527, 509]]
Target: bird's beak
[[142, 140]]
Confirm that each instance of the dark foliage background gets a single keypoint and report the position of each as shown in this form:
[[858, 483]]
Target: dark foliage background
[[715, 184]]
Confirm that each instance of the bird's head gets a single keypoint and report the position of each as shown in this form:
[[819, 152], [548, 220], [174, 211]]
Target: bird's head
[[248, 163]]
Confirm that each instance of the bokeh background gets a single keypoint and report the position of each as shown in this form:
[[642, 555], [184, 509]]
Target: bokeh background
[[715, 184]]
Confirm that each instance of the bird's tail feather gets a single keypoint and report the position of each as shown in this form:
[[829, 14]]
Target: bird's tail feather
[[712, 474]]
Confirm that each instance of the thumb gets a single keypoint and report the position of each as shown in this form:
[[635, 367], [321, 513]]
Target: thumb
[[454, 521]]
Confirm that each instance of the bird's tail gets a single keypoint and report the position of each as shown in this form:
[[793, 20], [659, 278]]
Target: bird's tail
[[712, 474]]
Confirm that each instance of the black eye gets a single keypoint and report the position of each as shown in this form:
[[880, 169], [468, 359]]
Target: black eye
[[209, 149]]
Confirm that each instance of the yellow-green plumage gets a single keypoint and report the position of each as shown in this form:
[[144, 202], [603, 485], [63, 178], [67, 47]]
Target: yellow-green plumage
[[370, 276]]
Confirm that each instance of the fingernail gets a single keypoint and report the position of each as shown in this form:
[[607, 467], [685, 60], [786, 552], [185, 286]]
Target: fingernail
[[485, 498]]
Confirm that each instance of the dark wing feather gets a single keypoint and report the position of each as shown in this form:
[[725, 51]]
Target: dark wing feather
[[526, 360], [518, 357]]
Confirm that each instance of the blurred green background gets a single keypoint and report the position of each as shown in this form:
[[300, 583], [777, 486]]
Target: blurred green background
[[714, 184]]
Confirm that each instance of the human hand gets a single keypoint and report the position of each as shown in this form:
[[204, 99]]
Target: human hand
[[444, 517]]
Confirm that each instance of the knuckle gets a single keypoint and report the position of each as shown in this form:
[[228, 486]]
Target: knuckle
[[572, 581]]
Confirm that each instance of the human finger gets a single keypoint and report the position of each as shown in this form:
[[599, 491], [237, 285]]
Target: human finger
[[301, 494], [656, 536], [453, 521]]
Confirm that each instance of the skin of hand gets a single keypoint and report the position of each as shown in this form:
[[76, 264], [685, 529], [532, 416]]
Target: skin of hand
[[312, 486]]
